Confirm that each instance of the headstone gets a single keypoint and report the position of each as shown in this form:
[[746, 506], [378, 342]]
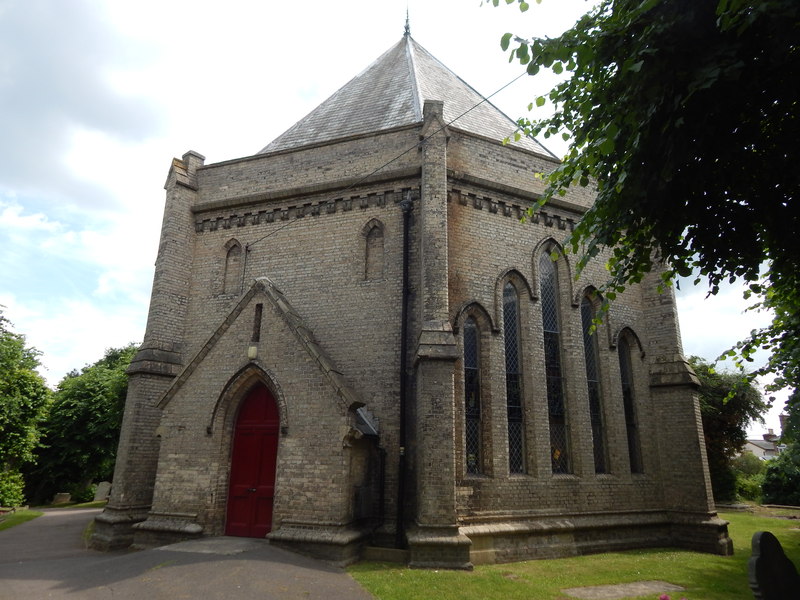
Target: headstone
[[103, 491], [62, 498], [772, 575]]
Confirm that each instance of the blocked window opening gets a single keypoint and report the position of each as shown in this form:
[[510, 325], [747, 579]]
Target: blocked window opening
[[233, 270], [373, 263]]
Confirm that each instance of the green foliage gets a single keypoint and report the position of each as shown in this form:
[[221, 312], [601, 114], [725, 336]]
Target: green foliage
[[782, 478], [11, 488], [81, 433], [749, 472], [748, 487], [727, 407], [24, 401], [684, 116], [81, 492], [791, 429], [748, 463]]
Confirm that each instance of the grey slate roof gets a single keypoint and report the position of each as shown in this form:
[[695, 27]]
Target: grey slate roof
[[763, 444], [390, 93]]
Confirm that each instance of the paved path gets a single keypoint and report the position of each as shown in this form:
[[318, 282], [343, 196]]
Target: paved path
[[46, 559]]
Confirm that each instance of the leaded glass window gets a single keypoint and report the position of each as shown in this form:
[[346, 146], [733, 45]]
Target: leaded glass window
[[593, 381], [559, 435], [628, 400], [472, 397], [516, 461]]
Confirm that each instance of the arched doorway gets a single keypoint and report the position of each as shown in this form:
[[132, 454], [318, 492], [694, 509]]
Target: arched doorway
[[255, 450]]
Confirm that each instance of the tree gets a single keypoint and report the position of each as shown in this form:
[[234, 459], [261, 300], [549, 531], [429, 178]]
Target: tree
[[81, 433], [781, 483], [24, 400], [684, 114], [782, 478], [791, 428], [726, 408]]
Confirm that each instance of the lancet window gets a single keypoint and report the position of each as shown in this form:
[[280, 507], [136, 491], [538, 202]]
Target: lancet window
[[516, 439], [592, 360], [556, 402], [373, 260], [629, 403], [233, 268], [472, 397]]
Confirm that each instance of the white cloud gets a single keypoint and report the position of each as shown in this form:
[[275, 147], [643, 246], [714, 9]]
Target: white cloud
[[73, 332], [97, 96], [53, 65], [711, 325]]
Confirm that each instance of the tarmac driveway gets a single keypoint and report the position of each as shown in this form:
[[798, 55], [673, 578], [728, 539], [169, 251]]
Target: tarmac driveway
[[47, 558]]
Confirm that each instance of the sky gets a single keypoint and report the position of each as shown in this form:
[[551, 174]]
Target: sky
[[98, 96]]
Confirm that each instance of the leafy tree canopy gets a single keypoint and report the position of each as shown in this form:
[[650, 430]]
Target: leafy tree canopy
[[782, 478], [727, 407], [80, 436], [791, 428], [685, 115], [726, 416], [748, 463], [24, 400]]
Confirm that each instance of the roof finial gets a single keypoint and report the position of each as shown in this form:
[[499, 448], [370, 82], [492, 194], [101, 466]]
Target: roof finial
[[408, 27]]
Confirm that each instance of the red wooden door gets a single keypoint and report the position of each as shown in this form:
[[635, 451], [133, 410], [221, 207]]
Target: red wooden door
[[255, 449]]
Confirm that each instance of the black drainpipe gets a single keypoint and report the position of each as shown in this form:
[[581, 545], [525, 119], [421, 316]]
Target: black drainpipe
[[399, 541]]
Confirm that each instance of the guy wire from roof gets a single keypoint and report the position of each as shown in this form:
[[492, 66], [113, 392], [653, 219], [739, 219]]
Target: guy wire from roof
[[403, 153]]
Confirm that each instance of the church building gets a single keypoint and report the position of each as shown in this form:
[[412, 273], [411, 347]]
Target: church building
[[358, 338]]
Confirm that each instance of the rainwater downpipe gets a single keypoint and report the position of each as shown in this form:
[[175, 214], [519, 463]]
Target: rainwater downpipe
[[399, 542]]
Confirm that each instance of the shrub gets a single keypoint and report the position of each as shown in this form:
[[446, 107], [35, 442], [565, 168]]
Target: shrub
[[749, 472], [782, 478], [11, 485], [82, 493], [748, 487], [748, 463]]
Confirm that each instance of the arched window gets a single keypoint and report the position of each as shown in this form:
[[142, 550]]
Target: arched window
[[373, 259], [233, 269], [628, 400], [511, 329], [592, 357], [472, 397], [556, 405]]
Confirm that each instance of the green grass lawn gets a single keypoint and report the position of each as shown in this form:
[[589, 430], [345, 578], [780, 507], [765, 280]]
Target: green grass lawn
[[20, 516], [705, 576]]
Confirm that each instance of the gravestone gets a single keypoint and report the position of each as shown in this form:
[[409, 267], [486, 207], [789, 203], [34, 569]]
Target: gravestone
[[62, 498], [772, 575], [103, 490]]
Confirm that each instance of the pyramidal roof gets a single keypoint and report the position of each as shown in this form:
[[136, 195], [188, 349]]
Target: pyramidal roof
[[390, 93]]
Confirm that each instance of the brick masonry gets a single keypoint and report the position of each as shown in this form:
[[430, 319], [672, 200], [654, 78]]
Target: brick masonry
[[289, 232]]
